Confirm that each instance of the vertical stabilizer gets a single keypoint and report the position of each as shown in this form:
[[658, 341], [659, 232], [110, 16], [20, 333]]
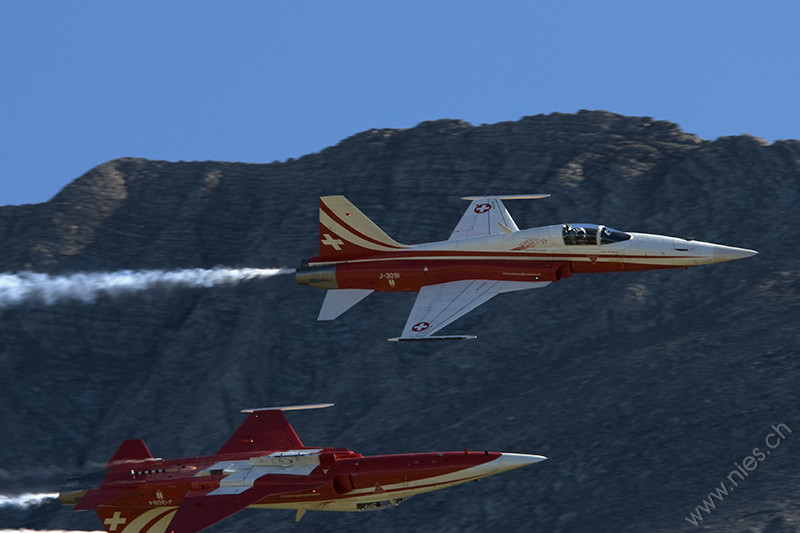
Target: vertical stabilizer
[[131, 451], [345, 232]]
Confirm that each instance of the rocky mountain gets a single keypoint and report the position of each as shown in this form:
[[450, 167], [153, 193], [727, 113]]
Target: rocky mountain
[[645, 390]]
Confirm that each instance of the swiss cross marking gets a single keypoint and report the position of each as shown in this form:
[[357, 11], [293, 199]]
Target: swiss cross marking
[[420, 326], [330, 241], [482, 208], [115, 521]]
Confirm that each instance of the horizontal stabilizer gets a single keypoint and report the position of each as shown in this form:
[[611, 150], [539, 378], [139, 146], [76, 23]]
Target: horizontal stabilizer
[[337, 301], [434, 338]]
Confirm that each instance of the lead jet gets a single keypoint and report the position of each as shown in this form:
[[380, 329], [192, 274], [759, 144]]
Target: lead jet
[[265, 466], [485, 255]]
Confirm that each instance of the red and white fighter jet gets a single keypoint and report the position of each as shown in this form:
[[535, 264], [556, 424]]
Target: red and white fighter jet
[[264, 465], [485, 255]]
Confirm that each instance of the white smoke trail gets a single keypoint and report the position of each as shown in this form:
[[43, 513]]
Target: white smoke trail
[[36, 287], [29, 500], [26, 500]]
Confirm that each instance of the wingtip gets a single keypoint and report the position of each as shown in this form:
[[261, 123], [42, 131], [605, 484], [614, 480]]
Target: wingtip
[[434, 338], [507, 197], [289, 407]]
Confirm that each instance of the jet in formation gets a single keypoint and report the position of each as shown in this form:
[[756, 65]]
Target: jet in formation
[[264, 465], [485, 255]]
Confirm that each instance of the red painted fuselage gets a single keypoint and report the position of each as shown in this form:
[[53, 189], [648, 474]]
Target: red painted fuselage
[[485, 255], [264, 465]]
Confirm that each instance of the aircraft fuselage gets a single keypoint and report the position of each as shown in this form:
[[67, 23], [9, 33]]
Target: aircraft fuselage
[[265, 465], [546, 253], [485, 255], [319, 479]]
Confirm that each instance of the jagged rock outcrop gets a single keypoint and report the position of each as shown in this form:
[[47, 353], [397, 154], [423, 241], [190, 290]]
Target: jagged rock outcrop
[[644, 389]]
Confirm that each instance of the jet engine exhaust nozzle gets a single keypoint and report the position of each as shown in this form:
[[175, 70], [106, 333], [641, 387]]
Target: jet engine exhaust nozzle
[[323, 277], [71, 498]]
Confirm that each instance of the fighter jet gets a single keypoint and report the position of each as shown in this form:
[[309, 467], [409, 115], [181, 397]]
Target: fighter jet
[[264, 465], [485, 255]]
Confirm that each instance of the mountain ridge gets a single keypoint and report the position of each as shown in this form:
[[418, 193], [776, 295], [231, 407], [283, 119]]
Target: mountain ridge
[[642, 388]]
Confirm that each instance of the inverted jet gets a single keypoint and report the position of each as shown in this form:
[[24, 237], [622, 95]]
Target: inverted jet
[[485, 255], [265, 466]]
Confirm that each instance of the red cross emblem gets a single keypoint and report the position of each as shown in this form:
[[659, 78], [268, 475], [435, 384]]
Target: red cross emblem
[[482, 208], [420, 326]]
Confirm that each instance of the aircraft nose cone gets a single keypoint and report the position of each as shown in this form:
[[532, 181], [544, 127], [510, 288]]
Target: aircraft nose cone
[[729, 253], [509, 461]]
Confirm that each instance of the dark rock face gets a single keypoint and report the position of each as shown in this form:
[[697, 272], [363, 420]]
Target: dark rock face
[[646, 390]]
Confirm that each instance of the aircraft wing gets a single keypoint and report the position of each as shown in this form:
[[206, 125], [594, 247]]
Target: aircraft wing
[[438, 305], [266, 429], [486, 215]]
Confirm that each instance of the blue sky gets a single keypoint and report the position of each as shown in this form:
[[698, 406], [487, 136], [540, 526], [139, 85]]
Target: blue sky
[[83, 82]]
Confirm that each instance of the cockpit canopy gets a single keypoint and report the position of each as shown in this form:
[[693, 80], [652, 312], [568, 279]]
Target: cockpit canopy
[[591, 234]]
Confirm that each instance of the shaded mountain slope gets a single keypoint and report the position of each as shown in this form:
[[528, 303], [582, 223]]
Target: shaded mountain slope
[[644, 389]]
